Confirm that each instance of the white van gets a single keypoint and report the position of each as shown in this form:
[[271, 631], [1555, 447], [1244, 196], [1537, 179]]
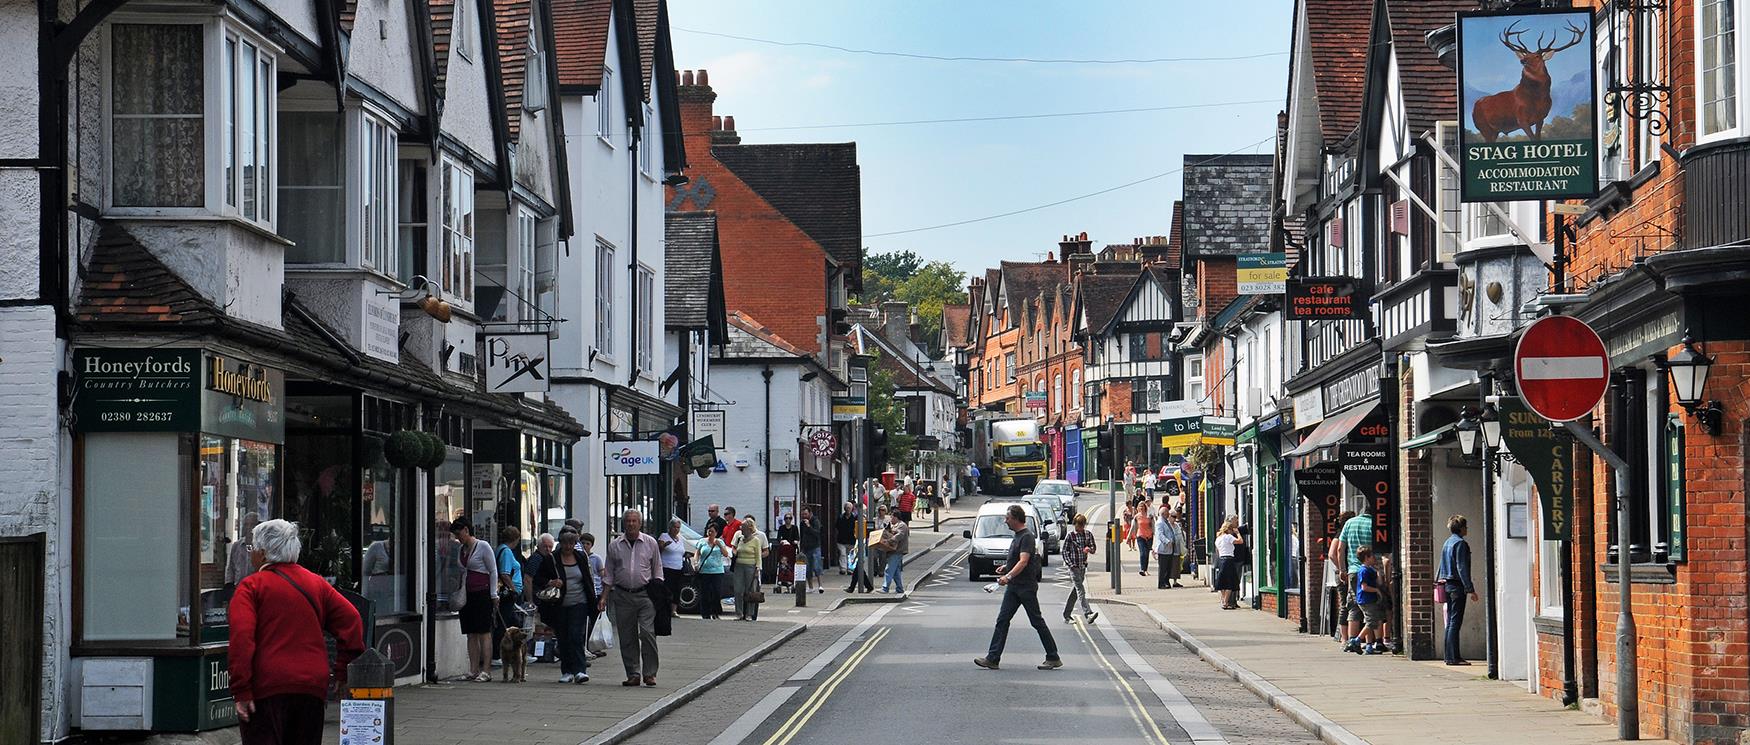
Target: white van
[[991, 537]]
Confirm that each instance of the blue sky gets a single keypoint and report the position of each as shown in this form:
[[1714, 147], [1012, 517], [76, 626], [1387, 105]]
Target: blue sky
[[924, 175]]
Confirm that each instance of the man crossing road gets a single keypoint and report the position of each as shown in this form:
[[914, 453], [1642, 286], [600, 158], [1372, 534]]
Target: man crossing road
[[1077, 547], [1020, 578]]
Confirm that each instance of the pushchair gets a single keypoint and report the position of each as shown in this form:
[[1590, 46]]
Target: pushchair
[[786, 567]]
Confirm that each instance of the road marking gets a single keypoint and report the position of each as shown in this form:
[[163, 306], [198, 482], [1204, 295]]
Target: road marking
[[1180, 708], [806, 712], [756, 715], [833, 650], [914, 609], [1138, 712]]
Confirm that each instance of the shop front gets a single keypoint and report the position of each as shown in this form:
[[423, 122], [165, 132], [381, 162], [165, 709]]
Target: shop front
[[527, 477], [178, 455], [638, 476]]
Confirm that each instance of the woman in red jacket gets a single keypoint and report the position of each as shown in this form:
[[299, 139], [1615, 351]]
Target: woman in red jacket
[[279, 657]]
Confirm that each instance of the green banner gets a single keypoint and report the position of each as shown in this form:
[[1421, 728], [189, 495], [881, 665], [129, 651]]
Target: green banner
[[1218, 430], [1547, 455], [1526, 90], [1674, 476], [136, 390], [1178, 433]]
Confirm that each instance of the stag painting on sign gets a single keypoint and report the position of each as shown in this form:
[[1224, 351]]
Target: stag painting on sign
[[1526, 97]]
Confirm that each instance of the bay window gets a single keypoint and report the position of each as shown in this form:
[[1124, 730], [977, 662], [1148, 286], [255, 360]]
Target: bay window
[[604, 297], [456, 257], [1717, 64], [646, 318], [312, 188], [179, 140], [410, 217], [525, 270], [379, 157]]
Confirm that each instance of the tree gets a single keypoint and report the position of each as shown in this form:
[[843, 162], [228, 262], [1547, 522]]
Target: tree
[[888, 412], [883, 272], [929, 288]]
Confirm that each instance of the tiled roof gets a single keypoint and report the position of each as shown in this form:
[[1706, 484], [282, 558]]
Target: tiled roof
[[690, 252], [1430, 89], [1103, 296], [957, 324], [348, 11], [905, 377], [1228, 204], [1336, 37], [443, 16], [124, 283], [1023, 281], [580, 40], [646, 12], [763, 337], [1176, 238], [512, 19], [817, 186]]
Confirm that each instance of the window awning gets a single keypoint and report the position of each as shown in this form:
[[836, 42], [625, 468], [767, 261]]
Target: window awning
[[1430, 438], [1332, 430]]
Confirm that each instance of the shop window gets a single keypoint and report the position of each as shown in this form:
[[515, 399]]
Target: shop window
[[1637, 416], [131, 554], [321, 489], [387, 507], [238, 490], [449, 501]]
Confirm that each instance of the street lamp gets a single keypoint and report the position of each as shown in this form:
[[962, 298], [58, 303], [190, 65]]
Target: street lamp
[[1490, 420], [1468, 429], [1689, 369]]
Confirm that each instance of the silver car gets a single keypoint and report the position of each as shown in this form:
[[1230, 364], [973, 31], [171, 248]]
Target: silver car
[[1059, 490]]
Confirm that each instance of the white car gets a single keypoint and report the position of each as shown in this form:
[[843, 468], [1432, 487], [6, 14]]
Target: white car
[[1064, 493], [991, 537]]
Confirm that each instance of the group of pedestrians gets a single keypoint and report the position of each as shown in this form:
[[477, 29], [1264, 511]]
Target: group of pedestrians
[[887, 550]]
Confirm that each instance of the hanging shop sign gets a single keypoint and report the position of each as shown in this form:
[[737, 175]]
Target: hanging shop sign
[[1320, 298], [243, 399], [518, 362], [1678, 546], [849, 408], [1036, 399], [822, 443], [1368, 467], [633, 458], [1261, 274], [136, 390], [1216, 430], [1547, 455], [1526, 94], [1181, 432], [1322, 487], [712, 424]]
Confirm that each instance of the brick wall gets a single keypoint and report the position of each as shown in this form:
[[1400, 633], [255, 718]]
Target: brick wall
[[1416, 547], [1217, 285]]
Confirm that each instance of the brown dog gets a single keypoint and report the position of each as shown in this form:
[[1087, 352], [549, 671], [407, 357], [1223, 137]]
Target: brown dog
[[513, 652]]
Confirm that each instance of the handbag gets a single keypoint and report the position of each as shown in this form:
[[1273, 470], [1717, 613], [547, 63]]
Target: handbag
[[756, 596], [1440, 591], [550, 595]]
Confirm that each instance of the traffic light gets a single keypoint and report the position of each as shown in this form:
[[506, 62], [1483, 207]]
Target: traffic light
[[877, 450]]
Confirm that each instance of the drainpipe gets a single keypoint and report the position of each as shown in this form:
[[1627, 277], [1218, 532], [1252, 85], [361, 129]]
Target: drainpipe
[[766, 373], [637, 136]]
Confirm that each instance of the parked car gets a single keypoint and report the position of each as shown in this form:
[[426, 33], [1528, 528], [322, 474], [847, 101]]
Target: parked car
[[1052, 520], [990, 536], [1059, 489]]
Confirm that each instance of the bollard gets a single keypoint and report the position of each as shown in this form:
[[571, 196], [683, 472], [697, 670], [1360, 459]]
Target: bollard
[[799, 581], [367, 712]]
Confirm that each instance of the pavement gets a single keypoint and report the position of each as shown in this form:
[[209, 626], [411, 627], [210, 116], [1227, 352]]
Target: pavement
[[1346, 698]]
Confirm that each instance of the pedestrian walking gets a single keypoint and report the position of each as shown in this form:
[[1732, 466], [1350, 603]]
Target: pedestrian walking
[[546, 636], [566, 602], [1148, 485], [1019, 577], [1370, 596], [844, 534], [713, 519], [713, 560], [908, 499], [597, 570], [811, 547], [480, 573], [633, 562], [1077, 547], [749, 549], [731, 524], [1455, 584], [1145, 534], [510, 585], [1356, 534], [1227, 569], [674, 563], [1169, 546], [279, 667], [898, 545], [1336, 584]]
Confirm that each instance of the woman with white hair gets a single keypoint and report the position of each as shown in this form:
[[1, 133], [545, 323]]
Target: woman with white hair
[[279, 657]]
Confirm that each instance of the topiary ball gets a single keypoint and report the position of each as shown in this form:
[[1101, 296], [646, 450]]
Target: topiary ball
[[435, 452], [405, 449]]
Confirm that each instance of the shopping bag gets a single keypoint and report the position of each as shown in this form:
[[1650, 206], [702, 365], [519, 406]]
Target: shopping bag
[[602, 638]]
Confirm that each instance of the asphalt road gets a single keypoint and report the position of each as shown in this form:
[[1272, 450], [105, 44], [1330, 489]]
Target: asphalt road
[[903, 673]]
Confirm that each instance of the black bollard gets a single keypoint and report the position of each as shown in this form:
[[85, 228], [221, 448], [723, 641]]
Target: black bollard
[[367, 712]]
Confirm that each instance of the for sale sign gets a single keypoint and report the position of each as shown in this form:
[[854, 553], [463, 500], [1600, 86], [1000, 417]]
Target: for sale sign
[[1526, 99]]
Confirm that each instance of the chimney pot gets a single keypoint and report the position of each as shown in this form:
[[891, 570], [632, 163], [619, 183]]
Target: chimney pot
[[1083, 236], [716, 123], [687, 77], [1050, 258], [729, 123], [702, 78]]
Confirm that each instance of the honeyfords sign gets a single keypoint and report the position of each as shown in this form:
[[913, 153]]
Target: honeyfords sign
[[176, 390], [1526, 101], [634, 458]]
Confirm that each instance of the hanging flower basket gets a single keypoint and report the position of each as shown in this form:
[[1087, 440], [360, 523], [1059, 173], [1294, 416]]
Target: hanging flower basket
[[405, 449]]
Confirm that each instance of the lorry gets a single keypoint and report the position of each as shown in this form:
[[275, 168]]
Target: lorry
[[1008, 453]]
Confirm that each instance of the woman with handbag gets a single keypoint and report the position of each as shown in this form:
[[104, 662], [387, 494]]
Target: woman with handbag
[[676, 569], [750, 548], [565, 602], [713, 558], [480, 570], [1227, 565]]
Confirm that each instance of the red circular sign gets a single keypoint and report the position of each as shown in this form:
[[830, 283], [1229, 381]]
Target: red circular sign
[[1562, 368]]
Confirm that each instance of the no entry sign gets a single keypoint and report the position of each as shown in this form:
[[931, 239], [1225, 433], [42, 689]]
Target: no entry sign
[[1562, 367]]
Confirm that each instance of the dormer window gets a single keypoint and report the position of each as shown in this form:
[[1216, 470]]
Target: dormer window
[[191, 109]]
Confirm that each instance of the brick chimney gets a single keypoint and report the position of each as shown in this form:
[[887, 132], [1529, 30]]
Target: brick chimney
[[1217, 285], [697, 99], [1075, 244], [895, 320]]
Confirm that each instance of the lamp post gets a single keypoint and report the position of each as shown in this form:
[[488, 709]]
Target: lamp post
[[1689, 369], [1113, 562]]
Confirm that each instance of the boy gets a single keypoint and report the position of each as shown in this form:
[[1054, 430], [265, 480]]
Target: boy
[[1371, 598]]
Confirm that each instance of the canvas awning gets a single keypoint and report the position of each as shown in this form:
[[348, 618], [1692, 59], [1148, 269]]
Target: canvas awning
[[1333, 429], [1430, 438]]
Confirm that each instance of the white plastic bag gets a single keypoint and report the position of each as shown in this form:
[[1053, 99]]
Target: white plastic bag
[[602, 638]]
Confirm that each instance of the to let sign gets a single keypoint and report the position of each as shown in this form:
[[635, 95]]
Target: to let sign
[[1315, 298], [1562, 368]]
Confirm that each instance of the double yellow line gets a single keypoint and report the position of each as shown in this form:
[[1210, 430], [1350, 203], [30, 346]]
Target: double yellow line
[[806, 712], [1133, 702]]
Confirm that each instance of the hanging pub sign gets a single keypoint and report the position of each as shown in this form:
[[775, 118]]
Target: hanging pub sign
[[136, 390], [1261, 274], [1322, 487], [517, 362], [1368, 467], [1547, 455], [1526, 99], [1317, 298]]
